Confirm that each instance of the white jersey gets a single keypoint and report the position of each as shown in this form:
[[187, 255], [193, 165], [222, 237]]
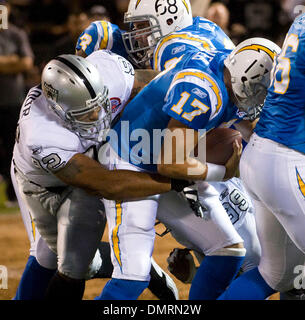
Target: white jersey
[[118, 76], [44, 145]]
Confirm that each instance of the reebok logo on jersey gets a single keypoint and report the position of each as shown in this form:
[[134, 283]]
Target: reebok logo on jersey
[[199, 93], [36, 150], [178, 49]]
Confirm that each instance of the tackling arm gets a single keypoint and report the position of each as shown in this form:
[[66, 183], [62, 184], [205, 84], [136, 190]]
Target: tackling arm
[[86, 173]]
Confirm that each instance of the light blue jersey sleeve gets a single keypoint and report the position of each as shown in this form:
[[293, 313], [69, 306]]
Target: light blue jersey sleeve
[[101, 35], [194, 98]]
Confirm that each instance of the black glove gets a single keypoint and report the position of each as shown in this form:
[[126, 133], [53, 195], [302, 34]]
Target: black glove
[[178, 185], [181, 264], [191, 194]]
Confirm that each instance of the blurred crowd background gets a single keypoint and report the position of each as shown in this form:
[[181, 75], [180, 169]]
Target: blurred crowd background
[[42, 29]]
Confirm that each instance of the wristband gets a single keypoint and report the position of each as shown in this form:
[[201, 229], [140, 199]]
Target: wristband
[[216, 172]]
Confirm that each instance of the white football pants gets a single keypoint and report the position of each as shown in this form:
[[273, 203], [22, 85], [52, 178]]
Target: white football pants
[[132, 233], [274, 176]]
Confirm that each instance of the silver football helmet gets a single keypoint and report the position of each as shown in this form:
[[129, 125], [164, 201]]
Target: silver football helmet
[[76, 92], [159, 18], [250, 64]]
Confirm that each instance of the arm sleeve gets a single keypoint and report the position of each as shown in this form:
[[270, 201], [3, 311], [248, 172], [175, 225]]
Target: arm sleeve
[[88, 40], [101, 35], [52, 159]]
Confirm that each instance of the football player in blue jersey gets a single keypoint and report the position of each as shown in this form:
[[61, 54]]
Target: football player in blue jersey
[[273, 171], [201, 91], [162, 31], [171, 26]]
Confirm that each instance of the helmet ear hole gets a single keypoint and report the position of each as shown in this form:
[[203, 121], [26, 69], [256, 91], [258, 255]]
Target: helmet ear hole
[[170, 21]]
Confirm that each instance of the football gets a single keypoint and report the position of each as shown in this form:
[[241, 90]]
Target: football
[[219, 144]]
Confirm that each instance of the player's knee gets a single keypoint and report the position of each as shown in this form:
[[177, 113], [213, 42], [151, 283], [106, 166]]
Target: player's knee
[[142, 224], [236, 245], [235, 250], [45, 256], [72, 270]]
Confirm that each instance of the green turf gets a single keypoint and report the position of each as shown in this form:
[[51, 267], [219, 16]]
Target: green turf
[[3, 208]]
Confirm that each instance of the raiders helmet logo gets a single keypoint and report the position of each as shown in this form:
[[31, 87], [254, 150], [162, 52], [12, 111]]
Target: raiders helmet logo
[[50, 92]]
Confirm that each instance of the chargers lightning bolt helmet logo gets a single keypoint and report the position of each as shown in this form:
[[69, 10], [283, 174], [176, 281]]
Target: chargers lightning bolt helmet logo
[[258, 47], [138, 2]]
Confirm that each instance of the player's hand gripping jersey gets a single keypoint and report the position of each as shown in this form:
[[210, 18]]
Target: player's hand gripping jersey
[[201, 35], [44, 145], [102, 35], [283, 116], [192, 92]]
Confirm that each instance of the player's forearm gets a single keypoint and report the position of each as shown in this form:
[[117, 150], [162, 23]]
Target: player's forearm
[[191, 169], [86, 173]]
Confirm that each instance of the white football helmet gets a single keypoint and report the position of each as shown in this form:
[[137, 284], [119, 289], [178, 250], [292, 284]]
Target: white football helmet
[[75, 90], [250, 64], [162, 16]]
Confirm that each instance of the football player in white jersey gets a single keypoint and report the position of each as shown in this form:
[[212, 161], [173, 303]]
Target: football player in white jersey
[[58, 183]]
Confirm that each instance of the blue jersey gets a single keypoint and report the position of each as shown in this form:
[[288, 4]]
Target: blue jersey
[[201, 35], [192, 92], [283, 115], [102, 35]]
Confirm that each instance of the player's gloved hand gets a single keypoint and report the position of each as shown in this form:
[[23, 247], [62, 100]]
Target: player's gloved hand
[[191, 194], [181, 264], [233, 163], [178, 185]]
